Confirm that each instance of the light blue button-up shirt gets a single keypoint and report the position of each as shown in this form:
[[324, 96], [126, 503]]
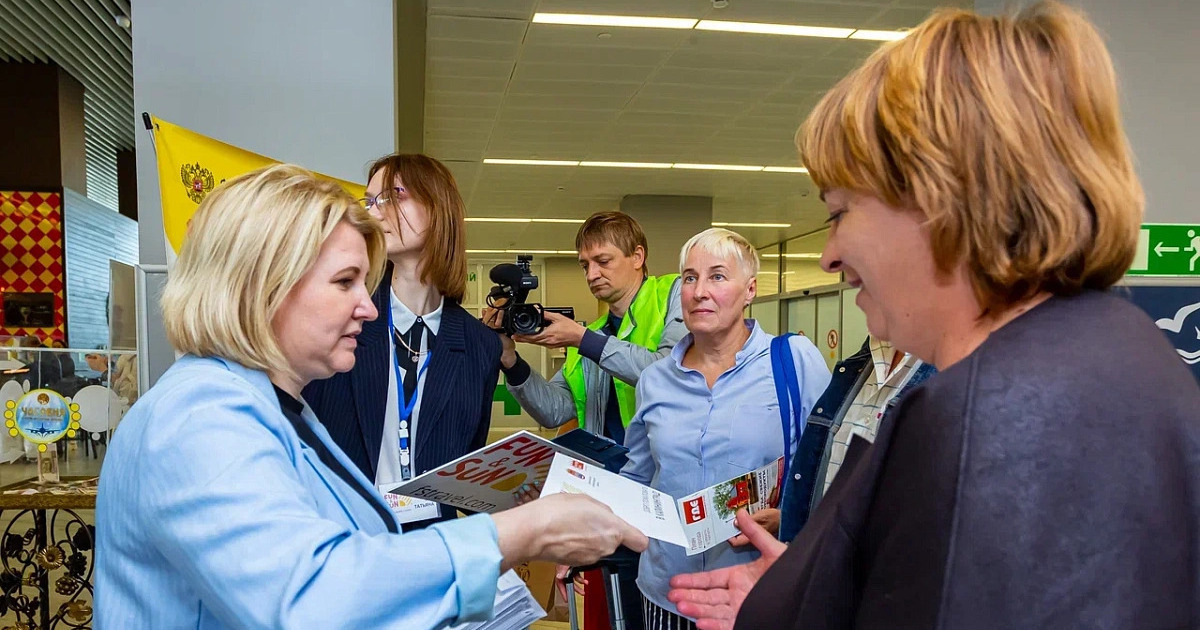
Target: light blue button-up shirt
[[686, 437]]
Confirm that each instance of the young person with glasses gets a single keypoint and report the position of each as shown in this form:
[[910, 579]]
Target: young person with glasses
[[420, 393]]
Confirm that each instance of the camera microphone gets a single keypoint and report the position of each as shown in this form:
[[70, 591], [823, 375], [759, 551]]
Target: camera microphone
[[513, 284], [506, 274]]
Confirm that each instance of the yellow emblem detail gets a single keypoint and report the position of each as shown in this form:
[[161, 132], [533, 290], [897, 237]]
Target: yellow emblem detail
[[197, 180]]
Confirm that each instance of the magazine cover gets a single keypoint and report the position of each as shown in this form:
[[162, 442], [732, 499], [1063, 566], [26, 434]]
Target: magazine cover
[[483, 481]]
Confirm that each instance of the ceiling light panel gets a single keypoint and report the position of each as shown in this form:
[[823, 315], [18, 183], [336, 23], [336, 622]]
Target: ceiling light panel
[[725, 225], [763, 28], [565, 252], [628, 164], [651, 165], [879, 36], [520, 220], [532, 162], [717, 167], [580, 19]]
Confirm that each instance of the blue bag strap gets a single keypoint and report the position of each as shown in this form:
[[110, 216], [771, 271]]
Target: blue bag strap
[[792, 380], [793, 386], [787, 389]]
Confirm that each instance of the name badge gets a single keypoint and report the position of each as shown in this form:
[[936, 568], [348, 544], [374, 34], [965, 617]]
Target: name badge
[[408, 509]]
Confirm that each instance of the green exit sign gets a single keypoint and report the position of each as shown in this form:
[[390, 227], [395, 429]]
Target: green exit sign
[[1166, 249]]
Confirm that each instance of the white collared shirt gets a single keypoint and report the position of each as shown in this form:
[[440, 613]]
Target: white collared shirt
[[864, 414], [388, 470]]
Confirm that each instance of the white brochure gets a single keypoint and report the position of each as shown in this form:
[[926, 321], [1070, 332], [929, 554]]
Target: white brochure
[[697, 522]]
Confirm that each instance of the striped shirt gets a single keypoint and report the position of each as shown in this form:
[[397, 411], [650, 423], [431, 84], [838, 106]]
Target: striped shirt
[[863, 416]]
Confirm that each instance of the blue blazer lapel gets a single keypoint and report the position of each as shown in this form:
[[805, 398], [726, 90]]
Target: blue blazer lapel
[[369, 378], [365, 517], [349, 500], [445, 368]]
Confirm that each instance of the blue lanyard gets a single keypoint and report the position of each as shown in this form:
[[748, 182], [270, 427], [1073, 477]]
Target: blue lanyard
[[406, 406], [404, 434]]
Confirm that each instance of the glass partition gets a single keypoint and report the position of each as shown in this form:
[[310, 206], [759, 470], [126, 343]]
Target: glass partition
[[802, 263], [97, 385], [769, 270], [767, 314]]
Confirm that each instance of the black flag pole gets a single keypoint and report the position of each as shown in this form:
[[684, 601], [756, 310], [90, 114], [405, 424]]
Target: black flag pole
[[150, 126]]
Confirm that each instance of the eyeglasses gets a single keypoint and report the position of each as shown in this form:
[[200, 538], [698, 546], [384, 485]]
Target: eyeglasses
[[382, 198]]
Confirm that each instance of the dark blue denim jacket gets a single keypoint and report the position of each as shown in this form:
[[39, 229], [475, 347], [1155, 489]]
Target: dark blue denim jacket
[[805, 485]]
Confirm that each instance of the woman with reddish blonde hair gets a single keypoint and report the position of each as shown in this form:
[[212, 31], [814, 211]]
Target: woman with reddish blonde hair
[[420, 394], [982, 196]]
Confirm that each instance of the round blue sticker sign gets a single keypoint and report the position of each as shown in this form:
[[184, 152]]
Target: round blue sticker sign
[[41, 416]]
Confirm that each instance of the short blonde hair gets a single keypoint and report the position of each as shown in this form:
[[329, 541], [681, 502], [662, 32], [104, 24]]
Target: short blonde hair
[[726, 245], [248, 245], [1006, 133]]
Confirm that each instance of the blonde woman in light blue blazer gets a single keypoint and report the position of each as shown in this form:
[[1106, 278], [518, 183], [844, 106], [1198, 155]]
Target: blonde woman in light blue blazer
[[223, 503]]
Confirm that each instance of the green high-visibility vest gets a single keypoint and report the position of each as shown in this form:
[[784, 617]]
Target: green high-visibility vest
[[649, 310]]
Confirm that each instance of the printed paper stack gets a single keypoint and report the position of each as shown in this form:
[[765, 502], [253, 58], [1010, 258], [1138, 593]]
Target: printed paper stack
[[515, 607]]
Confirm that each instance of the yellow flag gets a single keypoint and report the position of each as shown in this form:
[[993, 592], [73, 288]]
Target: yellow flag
[[190, 165]]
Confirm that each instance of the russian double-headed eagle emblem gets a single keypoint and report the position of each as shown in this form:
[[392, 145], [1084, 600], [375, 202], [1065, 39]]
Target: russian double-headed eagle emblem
[[197, 180]]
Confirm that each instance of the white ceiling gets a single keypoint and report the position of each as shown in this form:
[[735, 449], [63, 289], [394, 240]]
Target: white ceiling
[[83, 38], [499, 86]]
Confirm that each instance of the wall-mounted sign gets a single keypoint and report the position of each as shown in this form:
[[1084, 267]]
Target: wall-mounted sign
[[1167, 250], [41, 416]]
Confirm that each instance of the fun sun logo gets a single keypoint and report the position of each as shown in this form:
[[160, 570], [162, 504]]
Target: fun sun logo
[[197, 181]]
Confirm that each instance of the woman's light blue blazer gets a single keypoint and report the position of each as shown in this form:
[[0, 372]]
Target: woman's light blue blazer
[[212, 513]]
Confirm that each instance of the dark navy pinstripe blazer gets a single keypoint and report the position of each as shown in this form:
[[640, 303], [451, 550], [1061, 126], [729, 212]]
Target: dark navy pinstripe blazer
[[456, 406]]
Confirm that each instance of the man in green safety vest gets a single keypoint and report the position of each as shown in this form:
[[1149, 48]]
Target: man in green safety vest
[[596, 385], [604, 360]]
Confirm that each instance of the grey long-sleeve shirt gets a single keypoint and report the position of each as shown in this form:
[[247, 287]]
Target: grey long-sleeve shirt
[[550, 402]]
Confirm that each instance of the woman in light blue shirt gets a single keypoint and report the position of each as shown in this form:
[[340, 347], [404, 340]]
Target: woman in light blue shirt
[[709, 412], [223, 503]]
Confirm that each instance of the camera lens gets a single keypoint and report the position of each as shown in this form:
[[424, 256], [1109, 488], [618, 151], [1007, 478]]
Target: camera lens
[[526, 319]]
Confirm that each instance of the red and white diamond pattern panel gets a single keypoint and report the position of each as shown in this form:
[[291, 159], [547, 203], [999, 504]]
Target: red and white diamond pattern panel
[[31, 254]]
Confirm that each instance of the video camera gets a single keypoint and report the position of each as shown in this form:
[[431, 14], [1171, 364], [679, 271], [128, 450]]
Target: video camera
[[513, 284]]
